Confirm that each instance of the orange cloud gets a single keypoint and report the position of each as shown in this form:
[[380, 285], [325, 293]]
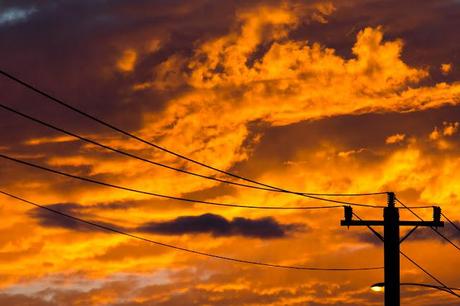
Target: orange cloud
[[395, 138], [127, 61], [256, 73], [434, 135], [291, 82], [450, 128], [446, 68], [58, 139]]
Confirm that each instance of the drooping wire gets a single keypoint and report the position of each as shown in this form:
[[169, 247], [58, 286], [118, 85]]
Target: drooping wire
[[416, 207], [131, 135], [445, 287], [158, 194], [148, 160], [434, 229], [127, 153], [174, 197], [448, 289], [185, 171], [451, 222], [370, 228], [114, 230]]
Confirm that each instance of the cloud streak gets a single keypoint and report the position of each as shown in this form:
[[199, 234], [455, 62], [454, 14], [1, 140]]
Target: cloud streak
[[219, 226], [215, 225]]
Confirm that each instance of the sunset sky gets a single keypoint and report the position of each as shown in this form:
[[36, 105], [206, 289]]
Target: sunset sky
[[346, 96]]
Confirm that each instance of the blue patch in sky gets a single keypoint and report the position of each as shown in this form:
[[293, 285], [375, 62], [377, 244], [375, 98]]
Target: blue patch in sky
[[15, 14]]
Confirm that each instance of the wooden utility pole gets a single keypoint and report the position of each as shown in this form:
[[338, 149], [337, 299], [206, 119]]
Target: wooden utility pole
[[391, 242]]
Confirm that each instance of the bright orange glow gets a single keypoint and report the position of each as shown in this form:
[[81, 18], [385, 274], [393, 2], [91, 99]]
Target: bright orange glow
[[127, 61], [378, 288], [313, 96]]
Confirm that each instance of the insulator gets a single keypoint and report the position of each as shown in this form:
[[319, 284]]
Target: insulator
[[436, 214], [348, 213]]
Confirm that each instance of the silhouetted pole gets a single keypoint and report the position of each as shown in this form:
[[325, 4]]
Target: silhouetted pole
[[391, 241], [391, 251]]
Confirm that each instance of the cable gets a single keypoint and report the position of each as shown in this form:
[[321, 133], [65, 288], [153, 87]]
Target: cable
[[370, 228], [416, 207], [126, 153], [435, 230], [158, 194], [138, 157], [429, 274], [110, 229], [102, 122], [178, 198], [452, 223], [448, 289]]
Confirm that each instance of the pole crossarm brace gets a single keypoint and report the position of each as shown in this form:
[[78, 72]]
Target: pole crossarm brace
[[408, 234], [391, 241]]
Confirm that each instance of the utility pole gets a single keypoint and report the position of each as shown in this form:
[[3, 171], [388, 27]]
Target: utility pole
[[391, 241]]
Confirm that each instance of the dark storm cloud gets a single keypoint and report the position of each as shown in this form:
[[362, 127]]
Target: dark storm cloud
[[220, 226]]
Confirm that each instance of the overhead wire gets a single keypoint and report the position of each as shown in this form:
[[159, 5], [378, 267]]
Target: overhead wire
[[133, 136], [266, 187], [417, 207], [121, 232], [77, 136], [435, 230], [451, 222], [445, 287], [81, 178], [96, 143], [370, 227], [8, 108], [179, 198]]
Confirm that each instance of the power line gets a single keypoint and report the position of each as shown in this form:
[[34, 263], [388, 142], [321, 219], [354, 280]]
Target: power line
[[111, 229], [157, 163], [408, 258], [131, 135], [417, 207], [435, 230], [178, 198], [452, 223], [158, 194], [189, 172], [430, 275], [370, 228], [126, 153]]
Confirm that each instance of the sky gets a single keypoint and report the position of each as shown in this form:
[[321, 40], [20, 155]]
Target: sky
[[354, 96]]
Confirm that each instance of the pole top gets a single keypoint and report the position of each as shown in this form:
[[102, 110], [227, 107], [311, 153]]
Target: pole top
[[391, 199]]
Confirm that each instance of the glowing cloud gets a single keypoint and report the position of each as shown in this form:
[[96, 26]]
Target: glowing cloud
[[232, 84], [446, 68], [450, 128], [127, 61], [395, 138]]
